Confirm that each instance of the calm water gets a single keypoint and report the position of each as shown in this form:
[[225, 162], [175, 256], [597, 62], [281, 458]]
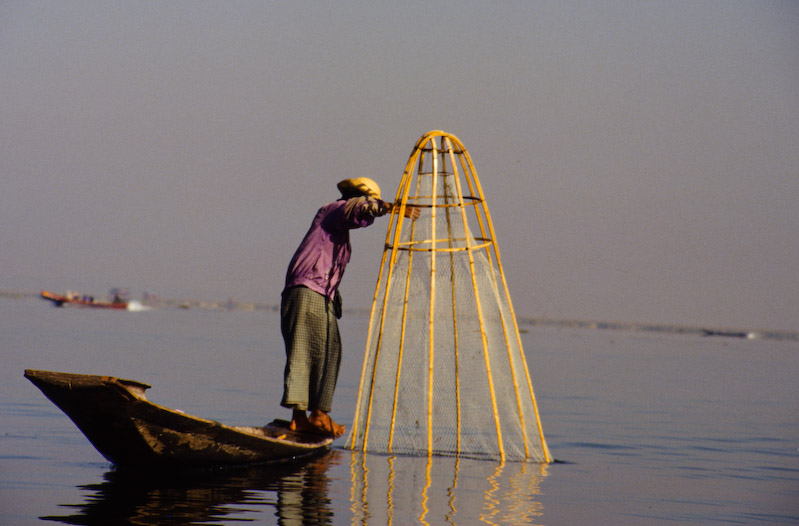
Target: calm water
[[651, 429]]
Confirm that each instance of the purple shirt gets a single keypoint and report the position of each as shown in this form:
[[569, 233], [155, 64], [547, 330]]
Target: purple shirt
[[320, 260]]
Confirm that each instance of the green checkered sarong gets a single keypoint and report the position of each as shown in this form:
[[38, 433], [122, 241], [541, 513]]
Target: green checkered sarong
[[313, 349]]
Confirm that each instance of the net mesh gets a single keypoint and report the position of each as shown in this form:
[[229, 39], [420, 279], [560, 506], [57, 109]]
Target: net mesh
[[444, 370]]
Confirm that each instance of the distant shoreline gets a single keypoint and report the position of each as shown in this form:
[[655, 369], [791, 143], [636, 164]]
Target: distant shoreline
[[232, 305], [752, 334]]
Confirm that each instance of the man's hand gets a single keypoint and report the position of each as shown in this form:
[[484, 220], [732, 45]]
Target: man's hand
[[411, 212]]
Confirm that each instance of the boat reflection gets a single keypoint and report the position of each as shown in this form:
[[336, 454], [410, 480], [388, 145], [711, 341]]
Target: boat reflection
[[382, 490], [296, 492], [444, 490]]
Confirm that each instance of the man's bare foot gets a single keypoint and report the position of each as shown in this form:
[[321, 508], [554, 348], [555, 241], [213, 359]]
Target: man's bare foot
[[300, 423], [318, 423], [324, 424]]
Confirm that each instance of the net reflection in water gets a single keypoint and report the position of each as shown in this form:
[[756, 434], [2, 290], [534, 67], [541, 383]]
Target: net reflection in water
[[444, 490]]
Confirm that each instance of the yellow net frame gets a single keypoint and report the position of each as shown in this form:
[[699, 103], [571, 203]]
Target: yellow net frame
[[428, 384]]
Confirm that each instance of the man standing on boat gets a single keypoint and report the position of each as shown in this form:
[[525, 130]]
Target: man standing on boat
[[311, 304]]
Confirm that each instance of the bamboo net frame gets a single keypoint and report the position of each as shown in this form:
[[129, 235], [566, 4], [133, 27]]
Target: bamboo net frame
[[444, 370]]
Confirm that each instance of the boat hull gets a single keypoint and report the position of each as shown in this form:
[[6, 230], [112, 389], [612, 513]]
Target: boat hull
[[61, 301], [131, 431]]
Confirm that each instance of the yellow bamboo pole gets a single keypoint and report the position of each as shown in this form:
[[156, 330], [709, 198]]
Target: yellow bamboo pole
[[483, 336], [475, 189], [369, 334], [455, 337], [401, 196], [492, 235], [404, 320], [431, 322], [472, 179]]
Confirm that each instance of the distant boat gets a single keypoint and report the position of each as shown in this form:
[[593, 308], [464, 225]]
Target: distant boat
[[726, 333], [60, 301], [132, 432]]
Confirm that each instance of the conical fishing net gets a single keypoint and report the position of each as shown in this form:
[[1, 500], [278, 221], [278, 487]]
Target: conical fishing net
[[444, 371]]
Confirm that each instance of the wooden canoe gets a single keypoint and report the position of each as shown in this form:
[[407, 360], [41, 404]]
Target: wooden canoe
[[132, 432], [60, 301]]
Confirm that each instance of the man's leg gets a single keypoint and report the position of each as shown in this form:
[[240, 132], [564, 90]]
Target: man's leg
[[313, 352], [324, 378]]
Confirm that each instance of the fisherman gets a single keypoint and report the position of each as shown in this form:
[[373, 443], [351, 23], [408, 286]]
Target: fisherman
[[311, 304]]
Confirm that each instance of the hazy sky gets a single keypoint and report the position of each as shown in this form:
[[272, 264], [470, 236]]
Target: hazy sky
[[640, 159]]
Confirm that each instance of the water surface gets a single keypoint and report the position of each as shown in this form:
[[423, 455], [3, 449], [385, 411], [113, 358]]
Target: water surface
[[650, 428]]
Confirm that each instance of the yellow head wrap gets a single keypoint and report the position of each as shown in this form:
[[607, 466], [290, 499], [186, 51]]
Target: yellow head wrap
[[359, 186]]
